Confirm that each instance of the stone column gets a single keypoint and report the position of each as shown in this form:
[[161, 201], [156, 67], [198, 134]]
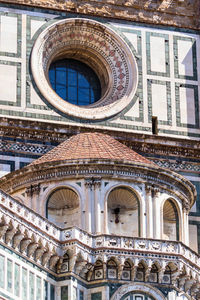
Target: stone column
[[33, 192], [88, 191], [156, 215], [185, 226], [149, 212], [97, 210], [92, 213]]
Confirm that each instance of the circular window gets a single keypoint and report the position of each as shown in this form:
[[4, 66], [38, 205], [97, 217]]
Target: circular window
[[74, 82], [96, 46]]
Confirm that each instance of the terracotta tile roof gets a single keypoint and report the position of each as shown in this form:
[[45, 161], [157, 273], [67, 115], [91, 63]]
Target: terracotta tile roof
[[91, 146]]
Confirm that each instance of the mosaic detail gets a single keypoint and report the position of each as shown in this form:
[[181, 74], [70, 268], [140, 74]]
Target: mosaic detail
[[99, 45], [21, 147], [177, 166]]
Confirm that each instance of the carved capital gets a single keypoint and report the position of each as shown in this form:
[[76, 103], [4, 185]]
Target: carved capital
[[93, 182], [33, 189]]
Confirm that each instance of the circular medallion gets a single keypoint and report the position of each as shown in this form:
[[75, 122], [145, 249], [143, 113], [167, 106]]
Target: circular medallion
[[97, 46]]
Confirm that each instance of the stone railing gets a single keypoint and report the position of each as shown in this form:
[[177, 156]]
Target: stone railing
[[168, 248], [29, 216], [38, 239]]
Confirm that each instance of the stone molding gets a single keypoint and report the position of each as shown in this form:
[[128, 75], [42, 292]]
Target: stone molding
[[53, 133], [170, 13], [160, 178]]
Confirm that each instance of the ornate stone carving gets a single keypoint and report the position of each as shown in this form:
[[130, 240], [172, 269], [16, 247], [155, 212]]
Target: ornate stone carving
[[171, 13], [33, 189], [93, 182]]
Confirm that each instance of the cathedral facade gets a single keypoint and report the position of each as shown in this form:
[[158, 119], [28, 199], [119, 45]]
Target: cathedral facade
[[100, 152]]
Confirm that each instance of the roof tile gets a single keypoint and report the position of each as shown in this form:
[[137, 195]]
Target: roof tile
[[91, 146]]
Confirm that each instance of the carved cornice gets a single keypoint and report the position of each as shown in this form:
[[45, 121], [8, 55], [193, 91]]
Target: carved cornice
[[159, 178], [41, 132], [166, 12]]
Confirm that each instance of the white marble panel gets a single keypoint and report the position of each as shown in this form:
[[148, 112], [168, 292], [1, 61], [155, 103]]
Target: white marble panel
[[134, 111], [193, 237], [8, 81], [4, 169], [133, 39], [185, 61], [35, 25], [157, 48], [35, 99], [187, 105], [159, 101], [8, 34]]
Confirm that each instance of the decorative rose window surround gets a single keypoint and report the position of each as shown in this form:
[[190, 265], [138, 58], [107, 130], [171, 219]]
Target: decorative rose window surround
[[96, 45]]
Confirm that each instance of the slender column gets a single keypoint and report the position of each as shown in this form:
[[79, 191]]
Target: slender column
[[88, 227], [185, 227], [33, 192], [97, 193], [93, 206], [149, 212], [156, 215]]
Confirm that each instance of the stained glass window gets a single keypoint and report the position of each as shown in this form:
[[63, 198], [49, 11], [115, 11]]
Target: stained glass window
[[74, 82]]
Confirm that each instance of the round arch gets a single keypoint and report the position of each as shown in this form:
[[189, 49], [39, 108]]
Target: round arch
[[171, 219], [122, 207], [140, 288], [63, 207]]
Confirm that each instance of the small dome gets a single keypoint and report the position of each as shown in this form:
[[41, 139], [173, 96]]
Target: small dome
[[91, 146]]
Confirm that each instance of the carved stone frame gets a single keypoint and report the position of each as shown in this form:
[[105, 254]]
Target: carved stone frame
[[96, 45]]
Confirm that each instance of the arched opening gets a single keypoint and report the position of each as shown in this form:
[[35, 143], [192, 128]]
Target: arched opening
[[63, 208], [167, 275], [98, 270], [65, 264], [170, 221], [153, 276], [126, 273], [111, 269], [140, 274], [123, 212]]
